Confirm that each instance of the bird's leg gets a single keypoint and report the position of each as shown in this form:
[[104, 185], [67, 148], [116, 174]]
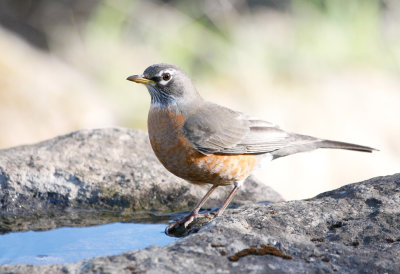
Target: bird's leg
[[195, 212], [197, 208], [228, 199]]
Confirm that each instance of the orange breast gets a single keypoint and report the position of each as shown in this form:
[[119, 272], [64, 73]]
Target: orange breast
[[177, 154]]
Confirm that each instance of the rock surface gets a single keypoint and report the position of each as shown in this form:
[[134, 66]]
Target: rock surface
[[355, 228], [88, 174]]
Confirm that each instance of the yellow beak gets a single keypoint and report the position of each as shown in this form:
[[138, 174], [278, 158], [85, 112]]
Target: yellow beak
[[140, 79]]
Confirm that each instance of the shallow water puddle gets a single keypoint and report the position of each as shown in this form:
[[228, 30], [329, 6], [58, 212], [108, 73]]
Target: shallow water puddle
[[71, 244]]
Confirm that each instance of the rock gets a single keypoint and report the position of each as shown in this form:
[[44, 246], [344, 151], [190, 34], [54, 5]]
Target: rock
[[355, 228], [89, 172]]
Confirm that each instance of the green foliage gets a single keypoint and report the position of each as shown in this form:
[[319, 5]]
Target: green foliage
[[339, 32], [218, 42]]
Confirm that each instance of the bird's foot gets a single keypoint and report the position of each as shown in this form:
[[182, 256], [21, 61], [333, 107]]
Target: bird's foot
[[180, 227]]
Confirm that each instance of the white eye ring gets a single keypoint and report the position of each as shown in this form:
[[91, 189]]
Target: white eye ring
[[166, 76]]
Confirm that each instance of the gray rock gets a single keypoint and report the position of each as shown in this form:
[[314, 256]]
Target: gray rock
[[87, 174], [355, 228]]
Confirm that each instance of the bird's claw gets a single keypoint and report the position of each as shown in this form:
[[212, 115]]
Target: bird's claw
[[184, 222]]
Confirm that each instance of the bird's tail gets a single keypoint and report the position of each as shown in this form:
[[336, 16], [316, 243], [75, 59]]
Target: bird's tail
[[343, 145], [302, 143]]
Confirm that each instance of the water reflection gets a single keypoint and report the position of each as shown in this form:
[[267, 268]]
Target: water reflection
[[71, 244]]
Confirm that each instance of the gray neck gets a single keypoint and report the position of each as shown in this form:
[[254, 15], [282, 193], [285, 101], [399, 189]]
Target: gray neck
[[158, 97], [180, 104]]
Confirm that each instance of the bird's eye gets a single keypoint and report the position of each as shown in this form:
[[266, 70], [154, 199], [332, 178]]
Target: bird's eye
[[166, 76]]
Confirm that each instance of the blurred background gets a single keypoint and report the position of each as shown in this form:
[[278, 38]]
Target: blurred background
[[330, 69]]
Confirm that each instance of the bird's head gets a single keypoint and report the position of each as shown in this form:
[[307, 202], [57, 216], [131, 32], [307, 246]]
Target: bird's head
[[166, 84]]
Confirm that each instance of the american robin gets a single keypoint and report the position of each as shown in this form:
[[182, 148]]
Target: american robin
[[205, 143]]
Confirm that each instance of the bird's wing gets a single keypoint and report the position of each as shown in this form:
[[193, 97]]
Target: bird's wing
[[213, 129]]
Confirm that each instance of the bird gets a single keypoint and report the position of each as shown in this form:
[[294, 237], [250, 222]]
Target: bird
[[206, 143]]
